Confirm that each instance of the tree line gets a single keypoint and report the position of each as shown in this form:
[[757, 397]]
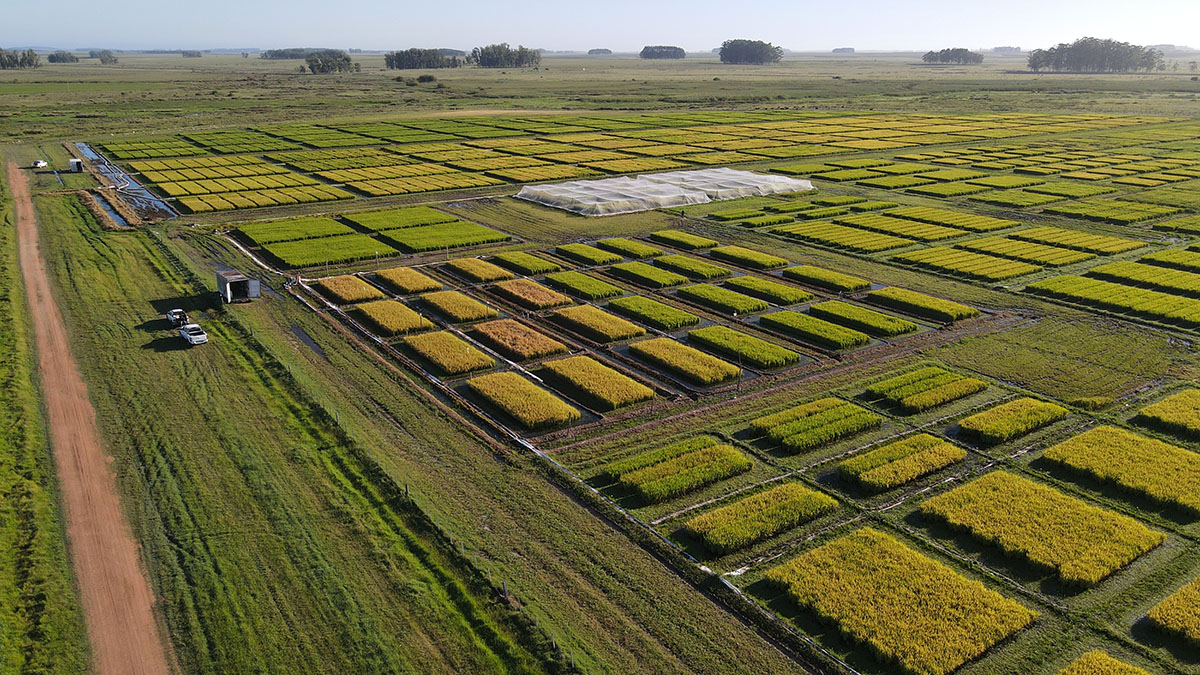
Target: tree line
[[749, 51], [419, 58], [62, 56], [503, 56], [956, 55], [1092, 55], [283, 54], [12, 59]]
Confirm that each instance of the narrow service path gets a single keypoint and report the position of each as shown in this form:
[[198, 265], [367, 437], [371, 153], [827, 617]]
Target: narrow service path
[[116, 596]]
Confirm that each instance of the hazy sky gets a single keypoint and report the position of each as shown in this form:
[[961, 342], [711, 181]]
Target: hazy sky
[[621, 25]]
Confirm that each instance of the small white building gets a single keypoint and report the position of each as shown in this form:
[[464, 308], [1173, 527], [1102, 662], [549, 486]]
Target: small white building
[[76, 165], [40, 164]]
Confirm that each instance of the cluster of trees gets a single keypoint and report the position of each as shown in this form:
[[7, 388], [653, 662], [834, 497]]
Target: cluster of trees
[[956, 55], [12, 59], [419, 58], [191, 54], [322, 61], [1092, 55], [750, 51], [289, 53], [599, 52], [106, 56], [662, 52], [62, 56], [503, 56]]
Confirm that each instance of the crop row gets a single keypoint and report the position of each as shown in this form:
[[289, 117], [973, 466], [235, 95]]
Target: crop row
[[925, 388], [685, 472], [813, 330], [892, 465], [919, 304], [814, 424], [1121, 298], [457, 234], [745, 348], [948, 218], [967, 263], [292, 230], [594, 383], [840, 236], [448, 353], [395, 219], [597, 324], [1178, 414], [901, 227], [908, 609], [1150, 276], [1099, 244], [757, 517], [530, 294], [406, 280], [722, 299], [1026, 251], [229, 201], [530, 405], [653, 313], [389, 317], [329, 250], [860, 318], [1011, 419], [516, 340], [525, 263], [826, 279], [1140, 465], [479, 271], [687, 362], [1082, 543]]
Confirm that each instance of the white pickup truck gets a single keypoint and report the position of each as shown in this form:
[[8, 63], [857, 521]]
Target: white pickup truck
[[193, 334]]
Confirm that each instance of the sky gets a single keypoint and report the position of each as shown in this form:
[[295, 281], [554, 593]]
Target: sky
[[620, 25]]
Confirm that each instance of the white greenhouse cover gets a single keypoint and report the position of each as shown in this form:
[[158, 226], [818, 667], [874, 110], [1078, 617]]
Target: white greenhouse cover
[[610, 196]]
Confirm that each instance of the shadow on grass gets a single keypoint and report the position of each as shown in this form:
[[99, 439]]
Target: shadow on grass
[[188, 303], [173, 343], [1151, 634]]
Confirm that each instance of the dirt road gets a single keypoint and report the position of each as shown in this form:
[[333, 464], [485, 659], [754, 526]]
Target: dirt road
[[116, 596]]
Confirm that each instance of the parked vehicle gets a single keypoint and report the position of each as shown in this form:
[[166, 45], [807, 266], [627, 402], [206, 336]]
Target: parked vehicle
[[193, 334], [177, 317]]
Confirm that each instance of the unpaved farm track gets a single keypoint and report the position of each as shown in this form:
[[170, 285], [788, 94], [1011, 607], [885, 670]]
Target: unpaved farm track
[[116, 597]]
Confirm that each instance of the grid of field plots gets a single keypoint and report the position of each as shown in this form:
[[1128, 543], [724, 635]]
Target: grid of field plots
[[423, 156]]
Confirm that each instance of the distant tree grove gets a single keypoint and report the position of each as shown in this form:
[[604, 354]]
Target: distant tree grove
[[662, 52], [289, 53], [106, 57], [750, 51], [419, 58], [1092, 55], [12, 59], [324, 61], [956, 55], [191, 53], [599, 52], [62, 56], [503, 56]]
